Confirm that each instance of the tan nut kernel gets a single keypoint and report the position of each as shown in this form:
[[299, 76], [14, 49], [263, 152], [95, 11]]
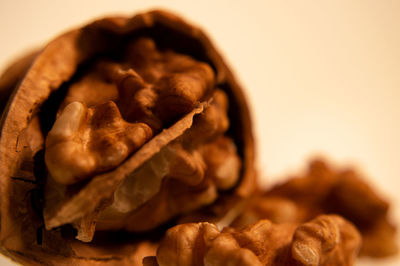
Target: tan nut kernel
[[324, 189], [185, 244], [326, 240], [85, 141], [223, 163]]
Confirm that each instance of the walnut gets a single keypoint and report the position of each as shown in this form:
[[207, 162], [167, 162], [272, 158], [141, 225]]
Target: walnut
[[326, 240], [326, 190], [112, 135]]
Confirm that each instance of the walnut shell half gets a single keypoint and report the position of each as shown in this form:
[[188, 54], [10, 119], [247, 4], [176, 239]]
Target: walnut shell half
[[174, 122]]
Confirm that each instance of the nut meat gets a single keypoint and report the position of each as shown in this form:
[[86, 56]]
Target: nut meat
[[113, 134], [326, 190], [326, 240]]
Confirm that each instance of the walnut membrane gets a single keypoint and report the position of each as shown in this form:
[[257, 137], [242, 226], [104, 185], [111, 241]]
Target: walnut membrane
[[115, 130]]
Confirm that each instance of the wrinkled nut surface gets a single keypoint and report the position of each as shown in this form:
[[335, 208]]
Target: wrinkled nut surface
[[326, 190], [114, 133], [195, 168], [326, 240], [84, 141], [151, 89]]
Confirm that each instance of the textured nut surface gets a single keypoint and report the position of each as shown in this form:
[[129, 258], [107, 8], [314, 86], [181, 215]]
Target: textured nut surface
[[64, 206], [150, 86], [186, 244], [150, 89], [223, 162], [85, 141], [185, 175], [73, 68], [137, 98], [326, 190], [326, 240]]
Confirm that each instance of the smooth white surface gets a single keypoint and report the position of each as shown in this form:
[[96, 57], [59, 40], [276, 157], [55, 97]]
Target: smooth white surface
[[322, 77]]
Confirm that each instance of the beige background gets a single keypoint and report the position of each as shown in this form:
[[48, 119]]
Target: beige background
[[322, 77]]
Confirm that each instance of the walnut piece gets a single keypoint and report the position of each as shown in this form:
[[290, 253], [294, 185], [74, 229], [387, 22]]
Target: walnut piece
[[85, 141], [325, 190], [326, 240]]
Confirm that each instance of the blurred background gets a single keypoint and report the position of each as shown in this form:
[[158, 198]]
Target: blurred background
[[322, 77]]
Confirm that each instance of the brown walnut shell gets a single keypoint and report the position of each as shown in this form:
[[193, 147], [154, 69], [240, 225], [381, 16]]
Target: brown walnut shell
[[31, 111]]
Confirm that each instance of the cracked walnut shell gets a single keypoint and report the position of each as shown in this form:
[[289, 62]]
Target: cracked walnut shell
[[99, 109]]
